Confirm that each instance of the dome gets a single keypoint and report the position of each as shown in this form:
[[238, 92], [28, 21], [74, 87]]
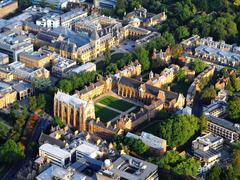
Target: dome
[[136, 20], [107, 163]]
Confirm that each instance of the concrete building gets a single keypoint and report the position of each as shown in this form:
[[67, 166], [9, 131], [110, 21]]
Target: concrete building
[[68, 19], [7, 7], [55, 155], [73, 111], [4, 59], [128, 167], [223, 128], [13, 44], [208, 149], [218, 55], [35, 59], [62, 65], [20, 72], [156, 144], [88, 67], [23, 89], [59, 4]]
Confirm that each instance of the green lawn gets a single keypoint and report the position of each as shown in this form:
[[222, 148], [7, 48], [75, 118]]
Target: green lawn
[[116, 103], [105, 114]]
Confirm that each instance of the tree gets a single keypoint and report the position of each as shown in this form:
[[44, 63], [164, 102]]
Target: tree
[[41, 101], [236, 83], [174, 162], [58, 121], [203, 124], [181, 75], [10, 152], [120, 8], [65, 86], [184, 126], [26, 3], [198, 66], [214, 173], [182, 32], [208, 94], [42, 3], [233, 109], [177, 51], [32, 103], [237, 2], [236, 161], [112, 68], [107, 55], [41, 83], [131, 144], [142, 56]]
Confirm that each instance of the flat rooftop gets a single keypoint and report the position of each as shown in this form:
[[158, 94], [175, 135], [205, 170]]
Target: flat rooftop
[[129, 167], [34, 55], [54, 151], [83, 67]]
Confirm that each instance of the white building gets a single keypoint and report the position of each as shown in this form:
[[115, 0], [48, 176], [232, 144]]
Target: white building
[[62, 65], [88, 67], [155, 143], [208, 149], [55, 155]]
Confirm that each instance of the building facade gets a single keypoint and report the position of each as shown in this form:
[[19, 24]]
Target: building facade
[[35, 59], [73, 111]]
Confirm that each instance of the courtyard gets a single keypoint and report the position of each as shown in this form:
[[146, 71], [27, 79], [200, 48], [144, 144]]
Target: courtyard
[[109, 108]]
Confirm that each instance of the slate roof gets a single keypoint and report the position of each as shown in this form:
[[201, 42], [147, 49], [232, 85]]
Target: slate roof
[[169, 95], [44, 138], [66, 46], [22, 86]]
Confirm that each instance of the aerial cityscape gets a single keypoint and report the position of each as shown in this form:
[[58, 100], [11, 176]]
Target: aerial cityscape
[[119, 89]]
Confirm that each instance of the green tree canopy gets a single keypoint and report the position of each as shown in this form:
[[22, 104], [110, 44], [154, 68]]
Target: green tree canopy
[[184, 128], [181, 74], [32, 103], [208, 94], [10, 152], [233, 109], [172, 161], [41, 101], [41, 83], [142, 56], [198, 66], [130, 144]]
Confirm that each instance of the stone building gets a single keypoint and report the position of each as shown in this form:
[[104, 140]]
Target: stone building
[[103, 85], [73, 111], [146, 93], [166, 77], [7, 7], [133, 69], [35, 59], [7, 95]]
